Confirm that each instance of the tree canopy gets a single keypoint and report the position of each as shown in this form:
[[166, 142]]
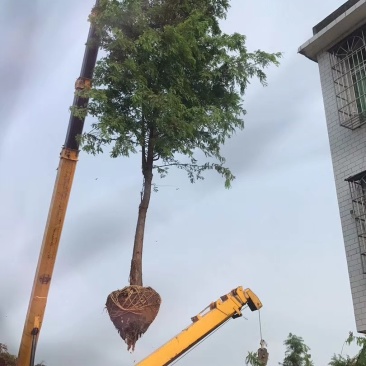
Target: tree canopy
[[297, 352], [6, 358], [170, 83], [358, 360]]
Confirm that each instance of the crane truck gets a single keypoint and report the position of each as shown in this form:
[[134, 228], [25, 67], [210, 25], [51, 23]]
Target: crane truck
[[205, 323]]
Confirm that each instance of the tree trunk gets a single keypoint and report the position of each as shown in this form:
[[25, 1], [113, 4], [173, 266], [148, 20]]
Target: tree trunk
[[136, 262]]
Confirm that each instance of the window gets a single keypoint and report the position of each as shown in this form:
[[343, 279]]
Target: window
[[357, 184], [348, 62]]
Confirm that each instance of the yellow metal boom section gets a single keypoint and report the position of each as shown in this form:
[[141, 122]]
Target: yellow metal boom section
[[46, 263], [217, 313], [58, 206]]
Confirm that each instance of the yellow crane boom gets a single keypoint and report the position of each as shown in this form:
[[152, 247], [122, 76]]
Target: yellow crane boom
[[203, 324], [57, 210]]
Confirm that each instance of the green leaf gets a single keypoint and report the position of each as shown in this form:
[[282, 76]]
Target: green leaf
[[170, 84]]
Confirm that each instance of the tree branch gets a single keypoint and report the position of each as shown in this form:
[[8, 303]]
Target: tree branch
[[179, 164], [150, 150], [143, 145]]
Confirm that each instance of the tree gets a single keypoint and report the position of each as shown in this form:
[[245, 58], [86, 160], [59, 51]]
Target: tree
[[6, 359], [358, 360], [297, 352], [169, 88]]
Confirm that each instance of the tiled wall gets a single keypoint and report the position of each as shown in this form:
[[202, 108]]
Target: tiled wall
[[348, 149]]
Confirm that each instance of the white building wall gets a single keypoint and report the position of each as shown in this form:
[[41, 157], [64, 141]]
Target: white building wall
[[348, 150]]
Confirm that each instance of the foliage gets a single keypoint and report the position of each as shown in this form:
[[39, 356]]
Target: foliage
[[252, 359], [358, 360], [6, 359], [170, 85], [339, 360], [297, 352]]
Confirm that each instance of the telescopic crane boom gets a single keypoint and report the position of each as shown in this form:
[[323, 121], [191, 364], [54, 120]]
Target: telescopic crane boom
[[57, 211], [203, 324]]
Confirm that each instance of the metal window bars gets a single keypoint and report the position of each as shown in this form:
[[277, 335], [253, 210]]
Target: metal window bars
[[357, 185], [348, 63]]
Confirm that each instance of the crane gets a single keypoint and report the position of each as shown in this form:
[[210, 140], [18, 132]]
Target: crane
[[57, 210], [207, 321]]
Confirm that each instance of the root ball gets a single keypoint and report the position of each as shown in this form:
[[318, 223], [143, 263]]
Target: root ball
[[132, 310]]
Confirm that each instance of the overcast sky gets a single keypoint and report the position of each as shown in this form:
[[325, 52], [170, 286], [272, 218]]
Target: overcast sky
[[276, 231]]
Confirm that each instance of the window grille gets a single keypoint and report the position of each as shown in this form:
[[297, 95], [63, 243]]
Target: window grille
[[348, 62], [357, 185]]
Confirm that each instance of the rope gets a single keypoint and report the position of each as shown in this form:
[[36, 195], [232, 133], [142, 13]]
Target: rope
[[135, 299], [262, 342], [262, 351], [260, 325]]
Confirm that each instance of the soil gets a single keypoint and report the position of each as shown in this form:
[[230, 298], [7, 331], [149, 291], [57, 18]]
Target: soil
[[132, 310]]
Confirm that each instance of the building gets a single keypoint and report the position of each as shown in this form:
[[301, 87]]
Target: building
[[338, 46]]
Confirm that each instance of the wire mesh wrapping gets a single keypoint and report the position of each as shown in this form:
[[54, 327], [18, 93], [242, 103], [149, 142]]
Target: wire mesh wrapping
[[132, 310]]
